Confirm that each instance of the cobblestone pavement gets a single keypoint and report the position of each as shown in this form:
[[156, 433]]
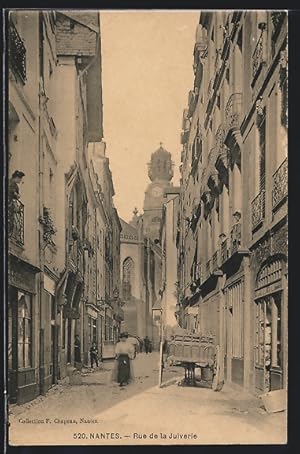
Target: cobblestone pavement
[[100, 412]]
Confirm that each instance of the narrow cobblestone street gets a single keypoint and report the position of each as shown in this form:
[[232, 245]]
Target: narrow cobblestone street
[[99, 412]]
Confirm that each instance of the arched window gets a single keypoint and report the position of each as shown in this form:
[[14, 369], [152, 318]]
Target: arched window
[[128, 269]]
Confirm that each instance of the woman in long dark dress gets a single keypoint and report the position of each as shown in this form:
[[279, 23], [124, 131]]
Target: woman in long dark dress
[[124, 354]]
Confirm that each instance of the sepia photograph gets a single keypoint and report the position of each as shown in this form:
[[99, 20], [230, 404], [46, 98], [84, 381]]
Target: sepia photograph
[[146, 226]]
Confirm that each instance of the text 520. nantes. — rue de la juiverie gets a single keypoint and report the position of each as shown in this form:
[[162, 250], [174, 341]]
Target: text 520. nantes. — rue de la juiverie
[[134, 436]]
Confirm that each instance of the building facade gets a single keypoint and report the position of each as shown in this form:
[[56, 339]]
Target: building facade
[[232, 244], [168, 241], [64, 231], [24, 263], [111, 303], [132, 276]]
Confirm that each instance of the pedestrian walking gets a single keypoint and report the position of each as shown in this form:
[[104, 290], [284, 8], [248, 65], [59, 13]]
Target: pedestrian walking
[[77, 349], [94, 355], [147, 344], [123, 368], [141, 345], [133, 340]]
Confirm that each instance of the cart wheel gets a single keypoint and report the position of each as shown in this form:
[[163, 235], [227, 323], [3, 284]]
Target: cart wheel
[[217, 383]]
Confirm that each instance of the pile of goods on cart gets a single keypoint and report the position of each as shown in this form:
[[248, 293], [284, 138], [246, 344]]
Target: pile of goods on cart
[[190, 347], [194, 351]]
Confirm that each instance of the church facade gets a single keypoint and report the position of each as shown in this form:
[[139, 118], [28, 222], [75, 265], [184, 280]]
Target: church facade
[[160, 172]]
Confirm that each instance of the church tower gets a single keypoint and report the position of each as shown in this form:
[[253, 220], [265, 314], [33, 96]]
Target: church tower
[[160, 172]]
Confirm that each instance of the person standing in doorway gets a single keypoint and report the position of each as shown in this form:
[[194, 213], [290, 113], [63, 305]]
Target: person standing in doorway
[[94, 355], [147, 344]]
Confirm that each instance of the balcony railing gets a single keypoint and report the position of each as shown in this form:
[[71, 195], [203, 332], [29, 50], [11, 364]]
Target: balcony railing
[[215, 261], [277, 20], [16, 222], [233, 112], [224, 251], [184, 137], [17, 53], [280, 184], [201, 47], [236, 236], [258, 57], [208, 269], [199, 272], [258, 209]]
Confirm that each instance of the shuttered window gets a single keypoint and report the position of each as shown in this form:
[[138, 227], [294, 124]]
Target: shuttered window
[[262, 151]]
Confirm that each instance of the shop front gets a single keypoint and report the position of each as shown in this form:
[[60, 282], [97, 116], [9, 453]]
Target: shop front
[[69, 295], [22, 308], [270, 326]]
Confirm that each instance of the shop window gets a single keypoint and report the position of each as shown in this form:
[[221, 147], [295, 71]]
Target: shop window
[[276, 343], [235, 305], [268, 348], [24, 330]]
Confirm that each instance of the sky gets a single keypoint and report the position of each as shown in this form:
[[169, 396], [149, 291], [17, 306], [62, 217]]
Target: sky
[[147, 59]]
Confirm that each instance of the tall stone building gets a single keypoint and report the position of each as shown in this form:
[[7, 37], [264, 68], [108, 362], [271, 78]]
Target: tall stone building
[[24, 202], [132, 276], [63, 230], [160, 172], [168, 241], [232, 243]]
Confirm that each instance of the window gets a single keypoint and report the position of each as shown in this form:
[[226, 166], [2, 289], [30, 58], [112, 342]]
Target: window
[[227, 75], [92, 330], [24, 330], [240, 39], [108, 328], [128, 269], [262, 151]]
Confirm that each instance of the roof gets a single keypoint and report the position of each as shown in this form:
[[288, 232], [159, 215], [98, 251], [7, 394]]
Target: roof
[[80, 40], [128, 231], [88, 19]]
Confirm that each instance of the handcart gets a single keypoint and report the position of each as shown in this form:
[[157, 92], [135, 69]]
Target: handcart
[[193, 351]]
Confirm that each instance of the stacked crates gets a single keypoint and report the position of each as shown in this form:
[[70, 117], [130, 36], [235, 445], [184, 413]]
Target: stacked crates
[[193, 348]]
